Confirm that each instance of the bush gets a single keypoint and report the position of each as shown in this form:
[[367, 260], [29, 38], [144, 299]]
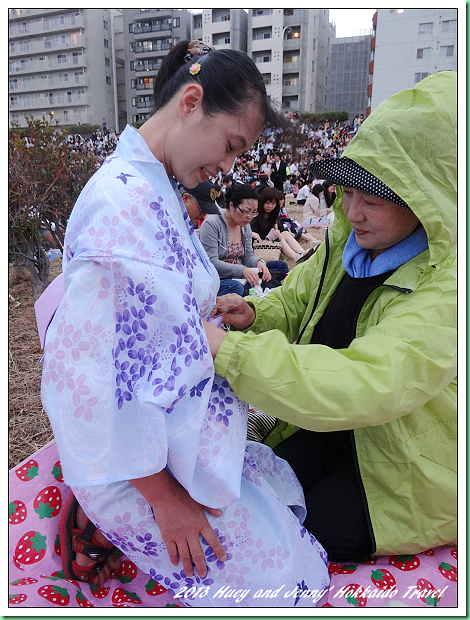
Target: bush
[[320, 117]]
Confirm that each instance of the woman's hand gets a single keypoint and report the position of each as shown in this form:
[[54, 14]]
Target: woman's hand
[[215, 336], [265, 273], [250, 276], [180, 519], [255, 236], [235, 311]]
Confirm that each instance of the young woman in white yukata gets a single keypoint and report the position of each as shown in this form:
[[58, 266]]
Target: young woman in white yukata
[[151, 441]]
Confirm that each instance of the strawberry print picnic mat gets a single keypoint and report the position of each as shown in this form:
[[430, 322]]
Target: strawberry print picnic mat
[[36, 494]]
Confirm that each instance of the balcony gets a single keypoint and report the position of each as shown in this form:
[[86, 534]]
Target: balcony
[[38, 85], [70, 21], [154, 47], [152, 28], [76, 41], [371, 66], [34, 103], [291, 89], [291, 67], [292, 44], [145, 104]]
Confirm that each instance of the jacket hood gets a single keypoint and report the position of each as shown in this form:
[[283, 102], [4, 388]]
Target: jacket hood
[[409, 142]]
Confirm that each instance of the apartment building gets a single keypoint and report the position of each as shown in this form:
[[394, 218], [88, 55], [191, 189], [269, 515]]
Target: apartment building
[[292, 49], [61, 65], [349, 75], [149, 34], [223, 28], [407, 46]]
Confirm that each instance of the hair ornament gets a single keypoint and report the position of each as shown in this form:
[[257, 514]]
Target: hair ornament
[[194, 68], [196, 48]]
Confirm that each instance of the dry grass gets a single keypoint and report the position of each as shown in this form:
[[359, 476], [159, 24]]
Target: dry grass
[[28, 423]]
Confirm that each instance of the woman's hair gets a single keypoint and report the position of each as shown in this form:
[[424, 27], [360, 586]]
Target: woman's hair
[[317, 190], [329, 196], [229, 78], [268, 194], [280, 195], [238, 193]]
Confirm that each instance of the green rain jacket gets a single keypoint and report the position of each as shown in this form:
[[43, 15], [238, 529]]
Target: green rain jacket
[[395, 385]]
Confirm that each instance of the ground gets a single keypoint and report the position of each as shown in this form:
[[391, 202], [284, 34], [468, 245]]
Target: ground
[[29, 427]]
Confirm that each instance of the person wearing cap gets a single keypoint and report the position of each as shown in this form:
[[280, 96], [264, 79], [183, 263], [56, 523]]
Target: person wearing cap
[[358, 347], [200, 201]]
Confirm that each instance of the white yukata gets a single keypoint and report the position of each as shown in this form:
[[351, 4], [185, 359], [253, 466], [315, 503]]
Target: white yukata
[[129, 387]]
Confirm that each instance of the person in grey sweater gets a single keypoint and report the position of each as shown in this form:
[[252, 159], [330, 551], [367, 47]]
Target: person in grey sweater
[[227, 239]]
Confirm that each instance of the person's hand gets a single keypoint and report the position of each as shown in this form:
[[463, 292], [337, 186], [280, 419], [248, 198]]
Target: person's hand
[[265, 273], [214, 335], [250, 276], [235, 311], [181, 519], [277, 233], [255, 236]]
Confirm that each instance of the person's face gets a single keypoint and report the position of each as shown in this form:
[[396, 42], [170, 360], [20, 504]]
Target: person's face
[[378, 223], [282, 203], [331, 188], [204, 145], [192, 207], [269, 206], [245, 212], [277, 159]]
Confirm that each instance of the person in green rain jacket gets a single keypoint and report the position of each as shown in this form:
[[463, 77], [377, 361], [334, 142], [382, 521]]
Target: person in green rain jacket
[[357, 349]]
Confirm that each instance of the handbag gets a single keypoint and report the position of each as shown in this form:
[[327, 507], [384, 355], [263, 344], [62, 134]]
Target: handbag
[[267, 250]]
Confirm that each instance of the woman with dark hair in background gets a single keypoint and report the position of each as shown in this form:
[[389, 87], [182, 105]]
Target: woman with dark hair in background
[[227, 239], [265, 224], [151, 442], [313, 214]]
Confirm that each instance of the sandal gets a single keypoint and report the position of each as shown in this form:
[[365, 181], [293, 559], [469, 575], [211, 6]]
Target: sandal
[[74, 540]]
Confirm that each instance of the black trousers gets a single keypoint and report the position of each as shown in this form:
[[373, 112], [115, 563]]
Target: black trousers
[[336, 511]]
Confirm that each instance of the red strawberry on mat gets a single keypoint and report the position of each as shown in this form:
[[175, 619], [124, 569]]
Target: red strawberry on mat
[[383, 579], [123, 596], [25, 581], [16, 599], [126, 572], [57, 472], [354, 594], [55, 594], [427, 592], [48, 502], [449, 571], [153, 588], [341, 569], [99, 591], [30, 548], [404, 562], [17, 512], [28, 471], [81, 600]]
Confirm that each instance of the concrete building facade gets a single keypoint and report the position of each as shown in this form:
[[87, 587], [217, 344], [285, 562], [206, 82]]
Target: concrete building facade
[[407, 46], [223, 28], [292, 49], [61, 64], [349, 75]]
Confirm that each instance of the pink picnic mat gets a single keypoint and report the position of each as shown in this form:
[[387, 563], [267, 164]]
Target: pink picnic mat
[[37, 492]]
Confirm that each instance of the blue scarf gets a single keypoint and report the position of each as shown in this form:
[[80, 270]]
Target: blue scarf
[[357, 262]]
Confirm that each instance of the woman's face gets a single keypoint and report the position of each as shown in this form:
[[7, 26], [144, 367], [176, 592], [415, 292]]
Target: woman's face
[[282, 202], [245, 212], [269, 206], [202, 145], [331, 188], [378, 223]]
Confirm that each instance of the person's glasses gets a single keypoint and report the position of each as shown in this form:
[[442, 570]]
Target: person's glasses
[[248, 213]]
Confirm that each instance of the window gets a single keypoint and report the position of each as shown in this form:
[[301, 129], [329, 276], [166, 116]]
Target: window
[[446, 51], [108, 80], [106, 43], [314, 44], [13, 84], [176, 22], [420, 76], [63, 77], [105, 24], [449, 25], [425, 28], [107, 62], [423, 52], [259, 12], [266, 78], [313, 66], [75, 57], [291, 82], [293, 58], [61, 59], [176, 40]]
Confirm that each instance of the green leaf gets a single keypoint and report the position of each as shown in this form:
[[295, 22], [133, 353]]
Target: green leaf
[[38, 542], [44, 510]]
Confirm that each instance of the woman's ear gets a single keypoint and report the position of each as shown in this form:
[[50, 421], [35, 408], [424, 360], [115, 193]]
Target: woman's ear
[[190, 100]]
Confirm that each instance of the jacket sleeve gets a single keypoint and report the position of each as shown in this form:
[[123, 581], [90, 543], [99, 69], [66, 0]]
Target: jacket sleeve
[[209, 235], [405, 357]]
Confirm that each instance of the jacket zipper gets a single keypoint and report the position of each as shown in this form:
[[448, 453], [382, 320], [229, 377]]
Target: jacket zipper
[[320, 286], [353, 441]]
